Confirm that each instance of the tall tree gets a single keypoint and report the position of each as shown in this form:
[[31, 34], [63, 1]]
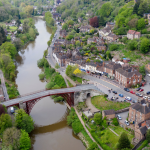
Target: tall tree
[[98, 118], [123, 141], [3, 37], [24, 121], [94, 22], [29, 10]]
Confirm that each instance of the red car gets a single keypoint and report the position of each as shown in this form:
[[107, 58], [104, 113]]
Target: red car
[[132, 92], [141, 90]]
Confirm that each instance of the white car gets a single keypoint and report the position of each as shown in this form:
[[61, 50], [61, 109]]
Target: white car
[[140, 95], [128, 98], [145, 97], [119, 117], [148, 75], [127, 123]]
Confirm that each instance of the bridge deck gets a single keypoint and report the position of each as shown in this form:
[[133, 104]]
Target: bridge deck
[[48, 93]]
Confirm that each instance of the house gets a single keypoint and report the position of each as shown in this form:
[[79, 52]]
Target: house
[[111, 37], [139, 114], [90, 40], [104, 32], [128, 76], [63, 33], [110, 25], [13, 22], [133, 34], [110, 114], [56, 16], [126, 60], [101, 47], [109, 69], [148, 67], [147, 16], [80, 20], [86, 28]]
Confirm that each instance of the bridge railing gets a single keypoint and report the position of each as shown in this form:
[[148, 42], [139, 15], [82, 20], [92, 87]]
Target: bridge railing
[[32, 93]]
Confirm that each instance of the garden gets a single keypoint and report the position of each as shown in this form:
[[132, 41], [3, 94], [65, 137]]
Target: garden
[[109, 137], [101, 103]]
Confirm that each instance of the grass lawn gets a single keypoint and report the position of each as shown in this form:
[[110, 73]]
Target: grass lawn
[[13, 28], [70, 85], [109, 137], [101, 103], [119, 130], [77, 79]]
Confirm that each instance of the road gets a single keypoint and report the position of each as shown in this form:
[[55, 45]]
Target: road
[[4, 86], [48, 93]]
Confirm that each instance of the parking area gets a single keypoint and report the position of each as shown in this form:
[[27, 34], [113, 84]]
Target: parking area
[[124, 116]]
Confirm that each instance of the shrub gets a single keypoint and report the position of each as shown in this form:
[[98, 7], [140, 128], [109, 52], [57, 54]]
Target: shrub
[[92, 146], [40, 62], [58, 99], [143, 145], [41, 76], [113, 47], [49, 85], [98, 118], [115, 122], [3, 109]]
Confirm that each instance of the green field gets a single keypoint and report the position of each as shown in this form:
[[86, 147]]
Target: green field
[[101, 103]]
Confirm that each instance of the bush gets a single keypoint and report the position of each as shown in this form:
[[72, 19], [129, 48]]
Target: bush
[[58, 99], [40, 63], [115, 122], [98, 118], [50, 85], [41, 76], [113, 47], [93, 146]]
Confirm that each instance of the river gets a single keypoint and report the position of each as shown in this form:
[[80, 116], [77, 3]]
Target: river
[[51, 130]]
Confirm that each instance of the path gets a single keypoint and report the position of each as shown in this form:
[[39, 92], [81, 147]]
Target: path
[[79, 116], [113, 131], [4, 86], [91, 106]]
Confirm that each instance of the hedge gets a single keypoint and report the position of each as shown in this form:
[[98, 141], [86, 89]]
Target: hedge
[[143, 145]]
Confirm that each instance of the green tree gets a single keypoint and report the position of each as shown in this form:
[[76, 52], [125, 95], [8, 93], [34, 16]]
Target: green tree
[[40, 62], [141, 24], [70, 22], [41, 76], [132, 44], [65, 26], [3, 109], [78, 43], [144, 45], [142, 70], [57, 66], [77, 126], [115, 122], [3, 37], [32, 33], [11, 138], [8, 47], [29, 10], [123, 141], [98, 118], [25, 142], [5, 122], [106, 6], [24, 121]]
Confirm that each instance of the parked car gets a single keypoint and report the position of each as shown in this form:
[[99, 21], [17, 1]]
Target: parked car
[[145, 97], [148, 75], [140, 95], [119, 117], [138, 89], [121, 95], [137, 94], [126, 89], [141, 90], [148, 92], [115, 92], [132, 92], [12, 110], [148, 98], [128, 98], [127, 123]]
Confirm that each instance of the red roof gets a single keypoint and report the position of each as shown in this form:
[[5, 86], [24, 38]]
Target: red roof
[[131, 32], [137, 33]]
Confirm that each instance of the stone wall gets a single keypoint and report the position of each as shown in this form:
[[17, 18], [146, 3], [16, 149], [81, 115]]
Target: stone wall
[[82, 96]]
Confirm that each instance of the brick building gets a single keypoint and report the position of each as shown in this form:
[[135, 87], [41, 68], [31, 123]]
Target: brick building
[[139, 114], [128, 76], [148, 66], [86, 28], [133, 34], [101, 47]]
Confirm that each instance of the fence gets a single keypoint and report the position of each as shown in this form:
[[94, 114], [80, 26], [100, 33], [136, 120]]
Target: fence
[[122, 110]]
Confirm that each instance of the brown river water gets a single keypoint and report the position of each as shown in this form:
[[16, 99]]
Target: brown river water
[[51, 130]]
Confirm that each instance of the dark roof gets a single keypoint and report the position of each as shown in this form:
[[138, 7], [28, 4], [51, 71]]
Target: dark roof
[[128, 72], [109, 112], [112, 66], [143, 130], [141, 108]]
